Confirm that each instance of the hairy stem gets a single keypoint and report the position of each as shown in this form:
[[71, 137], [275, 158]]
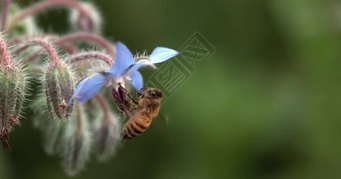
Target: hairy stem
[[5, 55], [4, 14], [20, 39], [69, 48], [50, 49], [89, 56], [90, 37], [48, 4]]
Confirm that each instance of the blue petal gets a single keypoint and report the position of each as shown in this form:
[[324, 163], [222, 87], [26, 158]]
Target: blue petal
[[89, 87], [161, 54], [136, 80], [124, 58]]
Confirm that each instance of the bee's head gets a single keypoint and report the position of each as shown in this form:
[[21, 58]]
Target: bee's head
[[151, 93]]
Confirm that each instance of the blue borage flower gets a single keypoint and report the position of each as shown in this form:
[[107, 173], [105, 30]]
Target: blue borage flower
[[124, 69]]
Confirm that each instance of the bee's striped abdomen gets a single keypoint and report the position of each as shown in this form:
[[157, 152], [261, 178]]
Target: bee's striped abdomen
[[138, 124]]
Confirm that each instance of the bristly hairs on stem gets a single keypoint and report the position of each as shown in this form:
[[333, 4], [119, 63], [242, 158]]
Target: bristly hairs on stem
[[72, 37], [45, 5], [90, 55], [49, 47], [64, 43], [89, 37], [12, 92], [6, 58], [67, 47], [58, 79]]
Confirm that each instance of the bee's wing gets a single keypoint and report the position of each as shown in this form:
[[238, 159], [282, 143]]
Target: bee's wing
[[162, 118]]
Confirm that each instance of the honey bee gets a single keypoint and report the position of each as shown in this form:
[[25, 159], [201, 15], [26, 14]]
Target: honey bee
[[148, 107]]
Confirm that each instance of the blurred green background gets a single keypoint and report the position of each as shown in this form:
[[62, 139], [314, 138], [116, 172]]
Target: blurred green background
[[266, 105]]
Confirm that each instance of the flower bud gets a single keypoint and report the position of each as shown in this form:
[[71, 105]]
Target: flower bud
[[58, 86], [76, 142], [89, 19], [53, 136], [12, 89], [52, 130], [107, 133]]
